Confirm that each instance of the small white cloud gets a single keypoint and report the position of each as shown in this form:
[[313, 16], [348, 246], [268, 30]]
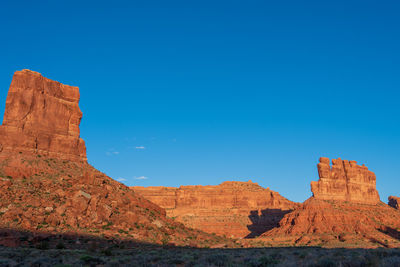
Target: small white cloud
[[141, 178], [140, 147], [111, 153], [121, 179]]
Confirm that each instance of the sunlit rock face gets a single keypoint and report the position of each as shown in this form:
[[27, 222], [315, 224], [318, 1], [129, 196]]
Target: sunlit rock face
[[344, 211], [234, 209], [42, 116], [46, 183], [346, 181]]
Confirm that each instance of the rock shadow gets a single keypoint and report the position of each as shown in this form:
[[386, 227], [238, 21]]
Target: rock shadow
[[264, 220], [391, 232], [42, 240]]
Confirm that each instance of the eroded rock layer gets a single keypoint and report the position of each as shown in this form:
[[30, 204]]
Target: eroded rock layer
[[234, 209], [346, 181], [42, 117], [46, 185], [394, 202], [345, 211], [338, 224]]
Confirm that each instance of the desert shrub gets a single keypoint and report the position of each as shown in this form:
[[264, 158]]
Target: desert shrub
[[396, 252], [93, 246], [303, 254], [326, 262], [43, 245], [60, 245], [381, 252], [187, 258], [24, 238], [267, 261], [218, 259], [107, 252], [7, 262], [352, 262], [277, 255], [87, 259], [372, 260], [251, 262], [390, 262], [141, 260], [113, 263], [176, 261], [339, 252], [121, 246], [43, 261]]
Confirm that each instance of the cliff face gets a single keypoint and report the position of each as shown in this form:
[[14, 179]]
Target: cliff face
[[47, 185], [42, 117], [394, 202], [345, 211], [234, 209], [346, 181]]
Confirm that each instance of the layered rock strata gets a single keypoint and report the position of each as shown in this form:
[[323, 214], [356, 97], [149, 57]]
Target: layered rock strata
[[46, 184], [42, 116], [344, 211], [346, 181], [234, 209], [334, 223]]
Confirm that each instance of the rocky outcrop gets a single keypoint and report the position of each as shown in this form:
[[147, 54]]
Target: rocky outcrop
[[234, 209], [394, 202], [42, 117], [344, 211], [338, 224], [59, 196], [46, 184], [346, 181]]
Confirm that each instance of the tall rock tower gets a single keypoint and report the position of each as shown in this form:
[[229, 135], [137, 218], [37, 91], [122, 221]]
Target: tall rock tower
[[42, 116], [346, 181]]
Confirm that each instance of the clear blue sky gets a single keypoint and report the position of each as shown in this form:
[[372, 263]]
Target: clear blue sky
[[199, 92]]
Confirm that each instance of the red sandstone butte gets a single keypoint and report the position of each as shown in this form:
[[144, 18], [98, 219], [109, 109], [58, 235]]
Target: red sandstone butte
[[394, 202], [234, 209], [47, 185], [344, 211], [345, 180], [42, 116]]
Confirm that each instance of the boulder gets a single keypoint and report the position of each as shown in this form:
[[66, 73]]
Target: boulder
[[394, 202]]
